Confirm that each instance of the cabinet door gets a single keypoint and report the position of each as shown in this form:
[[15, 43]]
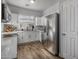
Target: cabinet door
[[20, 37], [5, 47], [41, 21], [14, 46], [29, 36], [38, 20], [33, 36], [26, 37], [44, 21], [14, 18]]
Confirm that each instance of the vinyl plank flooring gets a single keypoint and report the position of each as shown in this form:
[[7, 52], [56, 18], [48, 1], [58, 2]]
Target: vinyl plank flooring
[[33, 50]]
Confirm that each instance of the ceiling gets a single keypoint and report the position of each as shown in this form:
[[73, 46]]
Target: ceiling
[[39, 5]]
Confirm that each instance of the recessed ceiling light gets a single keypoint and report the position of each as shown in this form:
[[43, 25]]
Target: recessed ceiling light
[[32, 1]]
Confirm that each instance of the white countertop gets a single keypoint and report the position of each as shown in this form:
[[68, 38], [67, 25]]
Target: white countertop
[[15, 32]]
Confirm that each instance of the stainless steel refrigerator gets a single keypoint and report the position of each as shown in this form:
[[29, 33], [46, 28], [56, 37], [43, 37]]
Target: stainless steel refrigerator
[[52, 41]]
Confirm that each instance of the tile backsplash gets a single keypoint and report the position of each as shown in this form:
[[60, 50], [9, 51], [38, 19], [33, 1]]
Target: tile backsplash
[[8, 28]]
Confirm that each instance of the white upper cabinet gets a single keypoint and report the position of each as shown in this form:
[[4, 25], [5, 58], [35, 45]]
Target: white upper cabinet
[[24, 18], [41, 21], [14, 18], [44, 21], [38, 20]]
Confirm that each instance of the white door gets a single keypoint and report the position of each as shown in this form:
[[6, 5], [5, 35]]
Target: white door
[[69, 32]]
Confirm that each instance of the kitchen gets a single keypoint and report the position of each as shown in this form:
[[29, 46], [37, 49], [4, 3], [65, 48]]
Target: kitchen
[[32, 29]]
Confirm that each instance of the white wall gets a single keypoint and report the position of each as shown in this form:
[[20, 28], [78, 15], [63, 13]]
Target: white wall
[[51, 10]]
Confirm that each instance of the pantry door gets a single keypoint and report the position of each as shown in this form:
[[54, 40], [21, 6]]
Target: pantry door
[[69, 32]]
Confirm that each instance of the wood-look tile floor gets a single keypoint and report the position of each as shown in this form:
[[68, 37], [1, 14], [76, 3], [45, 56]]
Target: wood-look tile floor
[[34, 50]]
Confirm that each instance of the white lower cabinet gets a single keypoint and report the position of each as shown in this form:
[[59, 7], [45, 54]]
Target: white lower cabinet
[[28, 36], [20, 37], [9, 47]]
